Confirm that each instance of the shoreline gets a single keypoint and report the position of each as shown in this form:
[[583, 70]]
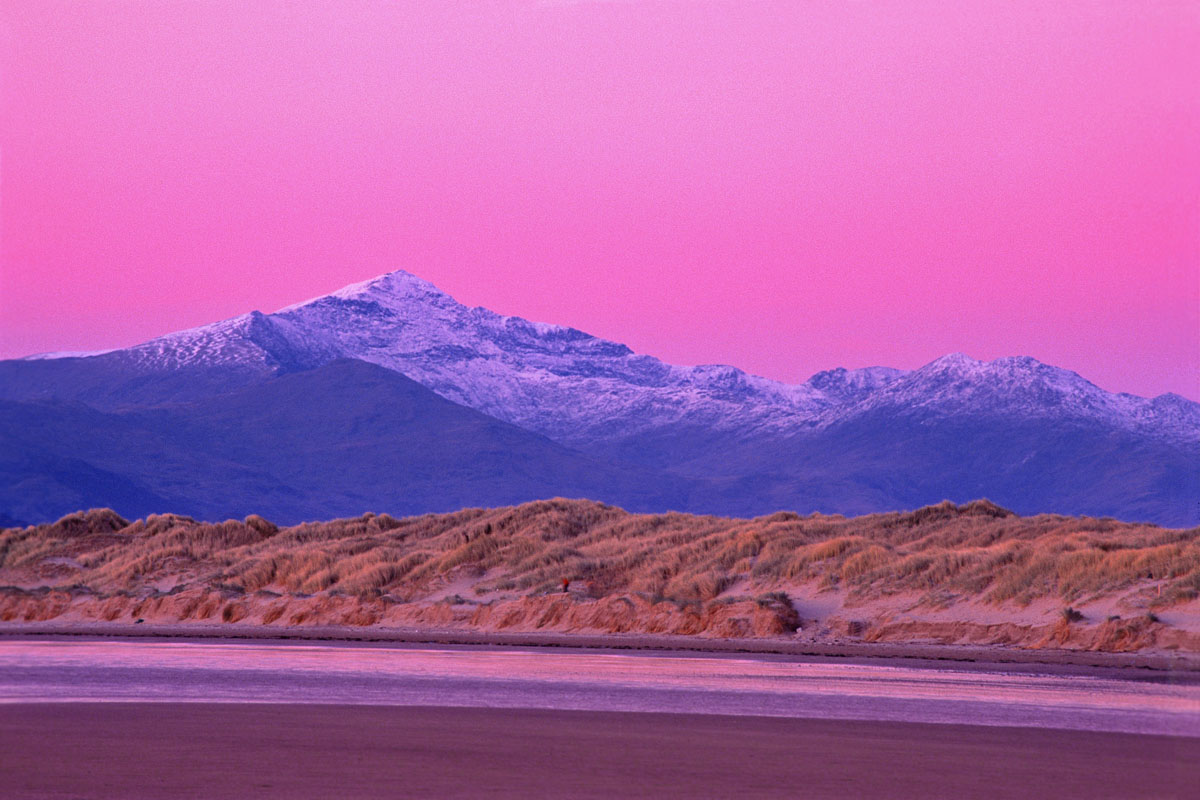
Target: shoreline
[[910, 654]]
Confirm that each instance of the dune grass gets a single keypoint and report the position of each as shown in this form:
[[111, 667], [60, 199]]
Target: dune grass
[[942, 553]]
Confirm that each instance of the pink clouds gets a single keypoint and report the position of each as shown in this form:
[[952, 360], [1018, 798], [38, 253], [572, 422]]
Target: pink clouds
[[785, 187]]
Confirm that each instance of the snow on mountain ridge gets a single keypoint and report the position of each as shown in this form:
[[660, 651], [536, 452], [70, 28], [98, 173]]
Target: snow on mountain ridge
[[575, 387], [57, 354], [1023, 386], [392, 289], [842, 384], [550, 378], [223, 342]]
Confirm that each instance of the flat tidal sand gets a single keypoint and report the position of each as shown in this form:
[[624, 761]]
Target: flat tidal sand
[[205, 750]]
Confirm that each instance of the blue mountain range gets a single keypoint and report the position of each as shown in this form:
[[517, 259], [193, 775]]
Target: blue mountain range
[[390, 396]]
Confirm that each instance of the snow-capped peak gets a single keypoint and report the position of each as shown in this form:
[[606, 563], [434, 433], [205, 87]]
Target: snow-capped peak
[[392, 290], [550, 378], [957, 361]]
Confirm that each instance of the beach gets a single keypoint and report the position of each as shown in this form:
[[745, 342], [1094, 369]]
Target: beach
[[158, 716]]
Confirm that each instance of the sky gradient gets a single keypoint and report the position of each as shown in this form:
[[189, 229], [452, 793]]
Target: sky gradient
[[786, 187]]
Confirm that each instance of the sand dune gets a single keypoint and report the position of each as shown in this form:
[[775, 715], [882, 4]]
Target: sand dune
[[972, 574]]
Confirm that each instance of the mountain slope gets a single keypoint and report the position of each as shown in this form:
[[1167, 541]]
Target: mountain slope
[[347, 435]]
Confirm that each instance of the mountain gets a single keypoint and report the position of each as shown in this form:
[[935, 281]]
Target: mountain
[[347, 436], [708, 439], [1024, 387]]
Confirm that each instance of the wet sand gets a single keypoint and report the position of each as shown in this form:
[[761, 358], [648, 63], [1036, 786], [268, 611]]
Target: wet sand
[[124, 750], [53, 671]]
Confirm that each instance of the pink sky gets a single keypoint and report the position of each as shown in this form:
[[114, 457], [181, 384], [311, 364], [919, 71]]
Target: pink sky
[[786, 187]]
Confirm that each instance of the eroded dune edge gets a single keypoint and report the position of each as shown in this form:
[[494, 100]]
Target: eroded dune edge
[[973, 574]]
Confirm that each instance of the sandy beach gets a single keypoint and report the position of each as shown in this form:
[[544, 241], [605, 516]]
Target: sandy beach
[[111, 717], [267, 751]]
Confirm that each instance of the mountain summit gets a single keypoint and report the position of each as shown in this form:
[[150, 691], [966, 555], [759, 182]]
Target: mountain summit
[[1031, 436]]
